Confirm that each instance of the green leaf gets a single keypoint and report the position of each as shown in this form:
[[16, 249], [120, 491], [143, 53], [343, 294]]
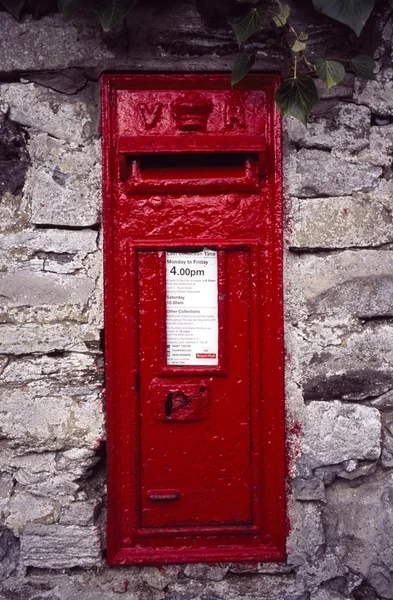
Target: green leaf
[[112, 12], [353, 13], [281, 18], [240, 66], [296, 97], [330, 71], [303, 37], [363, 66], [247, 19], [69, 7], [298, 46], [13, 6]]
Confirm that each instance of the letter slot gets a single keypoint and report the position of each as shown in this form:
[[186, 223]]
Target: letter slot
[[193, 319]]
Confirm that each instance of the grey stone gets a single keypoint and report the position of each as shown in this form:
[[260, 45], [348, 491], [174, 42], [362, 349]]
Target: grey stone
[[14, 213], [18, 288], [14, 158], [51, 240], [300, 547], [387, 459], [338, 177], [348, 365], [9, 553], [363, 470], [64, 184], [321, 569], [328, 473], [379, 152], [339, 223], [362, 528], [78, 513], [377, 95], [67, 81], [51, 43], [325, 594], [308, 489], [209, 572], [344, 126], [6, 487], [160, 578], [40, 339], [33, 416], [335, 432], [60, 547], [25, 508], [64, 117], [260, 567], [383, 402]]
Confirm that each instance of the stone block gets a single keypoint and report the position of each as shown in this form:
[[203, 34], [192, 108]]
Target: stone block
[[64, 183], [315, 173], [307, 537], [379, 151], [160, 578], [361, 529], [25, 508], [351, 369], [61, 116], [51, 43], [342, 126], [21, 289], [78, 513], [38, 418], [308, 489], [41, 339], [209, 572], [51, 240], [339, 222], [9, 553], [60, 547], [378, 94], [334, 432], [349, 283]]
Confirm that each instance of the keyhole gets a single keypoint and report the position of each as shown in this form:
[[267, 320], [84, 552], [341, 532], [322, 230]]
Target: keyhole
[[169, 405]]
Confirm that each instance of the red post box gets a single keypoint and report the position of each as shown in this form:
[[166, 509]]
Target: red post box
[[194, 344]]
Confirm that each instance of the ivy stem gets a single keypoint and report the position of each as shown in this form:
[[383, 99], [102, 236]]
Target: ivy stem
[[295, 67]]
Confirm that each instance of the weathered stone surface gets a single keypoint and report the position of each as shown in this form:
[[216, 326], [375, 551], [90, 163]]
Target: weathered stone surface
[[160, 578], [64, 117], [308, 489], [364, 527], [14, 158], [65, 81], [352, 282], [47, 240], [377, 95], [321, 569], [64, 184], [18, 288], [384, 402], [35, 416], [348, 367], [335, 432], [40, 339], [210, 572], [78, 513], [25, 508], [338, 177], [51, 43], [60, 547], [9, 553], [306, 517], [6, 487], [379, 152], [14, 214], [342, 125], [339, 223]]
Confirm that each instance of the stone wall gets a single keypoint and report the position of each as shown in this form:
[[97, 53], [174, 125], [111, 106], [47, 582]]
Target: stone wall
[[338, 318]]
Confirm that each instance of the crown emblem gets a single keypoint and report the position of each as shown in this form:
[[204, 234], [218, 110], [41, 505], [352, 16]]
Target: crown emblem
[[191, 112]]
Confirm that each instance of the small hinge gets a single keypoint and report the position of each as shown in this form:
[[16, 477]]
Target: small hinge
[[137, 383]]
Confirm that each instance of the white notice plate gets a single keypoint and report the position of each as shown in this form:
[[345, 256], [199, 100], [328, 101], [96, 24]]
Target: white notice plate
[[191, 308]]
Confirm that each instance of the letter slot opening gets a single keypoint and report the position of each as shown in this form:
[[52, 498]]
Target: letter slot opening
[[192, 171]]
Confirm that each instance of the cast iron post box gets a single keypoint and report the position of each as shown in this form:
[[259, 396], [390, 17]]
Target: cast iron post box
[[194, 345]]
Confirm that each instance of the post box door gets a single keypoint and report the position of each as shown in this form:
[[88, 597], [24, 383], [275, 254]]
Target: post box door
[[195, 427]]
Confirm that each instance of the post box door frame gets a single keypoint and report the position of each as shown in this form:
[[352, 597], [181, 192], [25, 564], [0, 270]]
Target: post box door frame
[[122, 394]]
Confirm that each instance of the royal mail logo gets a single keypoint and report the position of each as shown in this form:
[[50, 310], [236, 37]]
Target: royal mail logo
[[205, 355]]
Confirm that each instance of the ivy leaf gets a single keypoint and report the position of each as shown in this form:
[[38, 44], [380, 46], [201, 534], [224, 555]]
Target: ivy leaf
[[68, 7], [353, 13], [298, 46], [363, 66], [112, 12], [303, 37], [240, 66], [296, 97], [330, 71], [13, 6], [247, 19], [281, 18]]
